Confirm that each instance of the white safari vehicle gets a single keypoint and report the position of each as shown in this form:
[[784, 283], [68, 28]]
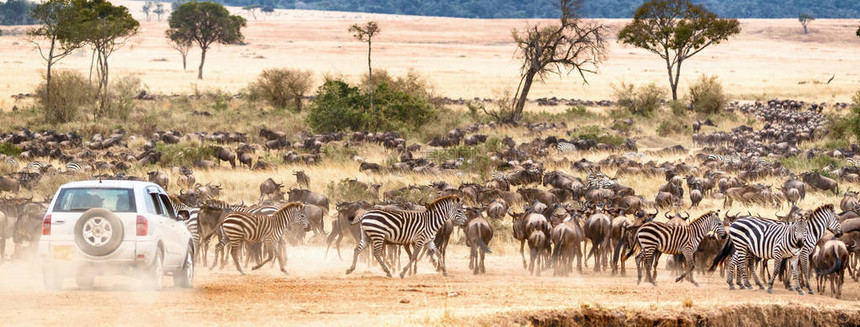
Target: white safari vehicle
[[114, 227]]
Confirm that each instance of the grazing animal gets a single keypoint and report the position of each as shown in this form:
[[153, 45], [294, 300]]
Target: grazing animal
[[306, 196], [160, 178], [224, 154], [820, 182], [269, 189], [302, 178], [538, 246], [478, 236], [416, 228], [598, 227], [239, 227], [822, 219], [831, 260], [765, 239], [660, 237], [567, 238], [245, 158]]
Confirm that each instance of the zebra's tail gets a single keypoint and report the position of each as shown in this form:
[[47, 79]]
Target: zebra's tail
[[727, 250]]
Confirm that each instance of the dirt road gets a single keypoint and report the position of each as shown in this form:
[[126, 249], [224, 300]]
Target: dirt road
[[316, 292]]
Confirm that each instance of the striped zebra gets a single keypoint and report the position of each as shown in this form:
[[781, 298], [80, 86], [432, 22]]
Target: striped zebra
[[75, 167], [599, 180], [657, 237], [267, 211], [37, 166], [193, 225], [565, 147], [11, 162], [402, 227], [822, 219], [721, 158], [242, 227], [766, 239]]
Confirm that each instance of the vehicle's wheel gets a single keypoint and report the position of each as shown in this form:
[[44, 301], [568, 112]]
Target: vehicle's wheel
[[98, 232], [185, 277], [85, 279], [51, 280], [155, 273]]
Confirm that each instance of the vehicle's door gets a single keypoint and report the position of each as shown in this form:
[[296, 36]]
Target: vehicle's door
[[176, 234]]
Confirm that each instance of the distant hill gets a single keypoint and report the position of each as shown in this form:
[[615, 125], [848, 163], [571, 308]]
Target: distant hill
[[546, 9]]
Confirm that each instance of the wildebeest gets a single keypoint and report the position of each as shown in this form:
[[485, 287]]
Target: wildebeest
[[597, 229], [307, 196], [820, 182], [302, 178], [497, 209], [244, 158], [160, 178], [567, 238], [538, 246], [269, 189], [478, 236], [831, 260], [9, 184], [224, 154]]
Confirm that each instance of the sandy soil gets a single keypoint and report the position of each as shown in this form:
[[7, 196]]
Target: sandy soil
[[463, 57], [317, 292]]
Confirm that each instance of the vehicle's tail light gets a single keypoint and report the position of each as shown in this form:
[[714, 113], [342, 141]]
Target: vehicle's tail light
[[46, 225], [142, 226]]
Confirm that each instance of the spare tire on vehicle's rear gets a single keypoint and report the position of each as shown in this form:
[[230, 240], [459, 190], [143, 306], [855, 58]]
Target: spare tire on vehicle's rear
[[98, 232]]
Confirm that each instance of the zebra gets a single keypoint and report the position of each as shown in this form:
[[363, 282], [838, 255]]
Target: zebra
[[37, 166], [822, 218], [402, 227], [657, 237], [599, 180], [565, 147], [78, 167], [765, 239], [193, 225], [241, 227]]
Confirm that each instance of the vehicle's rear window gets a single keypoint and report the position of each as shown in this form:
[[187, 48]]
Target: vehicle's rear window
[[83, 199]]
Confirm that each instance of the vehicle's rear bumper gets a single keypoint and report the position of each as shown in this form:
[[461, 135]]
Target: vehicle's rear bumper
[[130, 255]]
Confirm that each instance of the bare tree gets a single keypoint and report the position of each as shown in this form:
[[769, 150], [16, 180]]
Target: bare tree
[[571, 45], [365, 34]]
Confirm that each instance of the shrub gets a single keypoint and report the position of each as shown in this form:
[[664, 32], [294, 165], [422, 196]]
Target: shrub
[[10, 149], [123, 93], [643, 102], [70, 92], [677, 108], [668, 127], [595, 133], [399, 105], [283, 87], [180, 154], [706, 95], [841, 127], [347, 191]]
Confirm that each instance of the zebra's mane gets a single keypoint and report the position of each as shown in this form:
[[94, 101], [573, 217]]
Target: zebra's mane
[[828, 206], [703, 216], [442, 199], [289, 206]]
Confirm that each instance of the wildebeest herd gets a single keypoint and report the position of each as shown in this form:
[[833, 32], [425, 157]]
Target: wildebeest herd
[[578, 210]]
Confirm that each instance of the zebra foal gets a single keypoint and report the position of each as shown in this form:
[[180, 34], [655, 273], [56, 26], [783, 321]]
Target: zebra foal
[[403, 227]]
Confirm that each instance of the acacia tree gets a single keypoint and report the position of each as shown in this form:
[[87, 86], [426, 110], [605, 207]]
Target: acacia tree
[[60, 25], [181, 42], [365, 34], [571, 45], [676, 30], [105, 28], [147, 9], [159, 10], [252, 9], [805, 19], [206, 23]]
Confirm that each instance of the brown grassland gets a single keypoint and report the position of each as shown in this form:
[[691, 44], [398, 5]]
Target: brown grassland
[[461, 58]]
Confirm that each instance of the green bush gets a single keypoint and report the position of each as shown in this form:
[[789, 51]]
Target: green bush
[[180, 154], [10, 149], [123, 93], [347, 191], [677, 108], [282, 87], [643, 101], [595, 133], [706, 95], [399, 105], [70, 92], [669, 127], [842, 127]]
